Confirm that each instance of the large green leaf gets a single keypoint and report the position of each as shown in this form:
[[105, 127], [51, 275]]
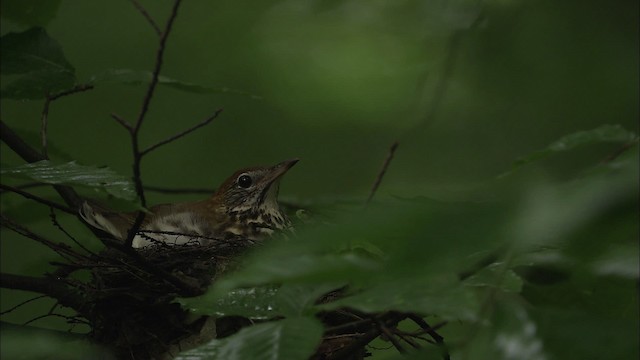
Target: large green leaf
[[254, 303], [73, 174], [36, 64], [136, 77], [294, 338], [496, 276], [602, 134], [446, 298]]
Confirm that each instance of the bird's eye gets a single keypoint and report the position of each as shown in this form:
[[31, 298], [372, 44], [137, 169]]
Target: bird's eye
[[244, 181]]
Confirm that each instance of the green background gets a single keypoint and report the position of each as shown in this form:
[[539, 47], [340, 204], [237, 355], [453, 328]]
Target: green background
[[465, 87]]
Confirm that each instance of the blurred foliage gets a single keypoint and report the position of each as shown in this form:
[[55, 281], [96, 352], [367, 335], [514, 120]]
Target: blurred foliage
[[470, 89]]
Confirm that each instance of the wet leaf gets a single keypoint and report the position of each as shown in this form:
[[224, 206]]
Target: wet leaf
[[73, 174]]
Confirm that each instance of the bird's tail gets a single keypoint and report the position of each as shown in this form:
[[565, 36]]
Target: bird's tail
[[98, 219]]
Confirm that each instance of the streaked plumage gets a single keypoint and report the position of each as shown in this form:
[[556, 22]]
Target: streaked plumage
[[245, 205]]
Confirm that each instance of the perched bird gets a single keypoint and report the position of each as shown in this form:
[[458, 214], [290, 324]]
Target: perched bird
[[244, 205]]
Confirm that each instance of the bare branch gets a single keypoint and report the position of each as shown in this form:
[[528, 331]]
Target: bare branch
[[146, 15], [22, 304], [55, 222], [62, 249], [390, 336], [385, 165], [432, 332], [51, 287], [75, 89], [38, 199], [156, 71], [30, 155], [45, 111], [122, 122], [183, 133], [135, 147]]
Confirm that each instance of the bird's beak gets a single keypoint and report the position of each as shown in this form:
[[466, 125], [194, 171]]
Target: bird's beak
[[278, 170]]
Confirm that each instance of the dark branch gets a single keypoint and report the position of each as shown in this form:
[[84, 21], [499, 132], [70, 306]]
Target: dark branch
[[135, 147], [47, 286], [390, 336], [37, 331], [38, 199], [45, 111], [432, 332], [62, 249], [179, 135], [156, 71], [22, 304], [383, 170], [147, 17], [122, 122], [30, 155]]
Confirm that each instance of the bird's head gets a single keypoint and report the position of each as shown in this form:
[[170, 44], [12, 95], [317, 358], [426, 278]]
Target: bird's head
[[253, 190]]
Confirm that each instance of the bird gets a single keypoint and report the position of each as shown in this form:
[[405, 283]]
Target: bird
[[245, 206]]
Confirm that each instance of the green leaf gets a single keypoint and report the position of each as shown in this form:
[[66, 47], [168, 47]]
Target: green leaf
[[294, 338], [299, 299], [73, 174], [444, 297], [135, 77], [620, 261], [36, 63], [254, 303], [509, 333], [29, 12], [496, 276], [602, 134], [310, 268]]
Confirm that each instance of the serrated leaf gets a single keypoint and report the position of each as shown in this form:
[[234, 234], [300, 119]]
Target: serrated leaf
[[73, 174], [294, 338], [136, 77], [38, 60], [602, 134]]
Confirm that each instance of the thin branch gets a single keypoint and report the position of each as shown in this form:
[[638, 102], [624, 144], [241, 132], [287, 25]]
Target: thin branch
[[147, 17], [156, 71], [43, 126], [27, 195], [22, 304], [122, 122], [62, 249], [135, 147], [390, 336], [55, 222], [383, 170], [30, 155], [37, 331], [45, 111], [51, 287], [179, 135], [75, 89], [432, 332]]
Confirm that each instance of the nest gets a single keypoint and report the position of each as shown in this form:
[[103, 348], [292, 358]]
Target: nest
[[133, 292]]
